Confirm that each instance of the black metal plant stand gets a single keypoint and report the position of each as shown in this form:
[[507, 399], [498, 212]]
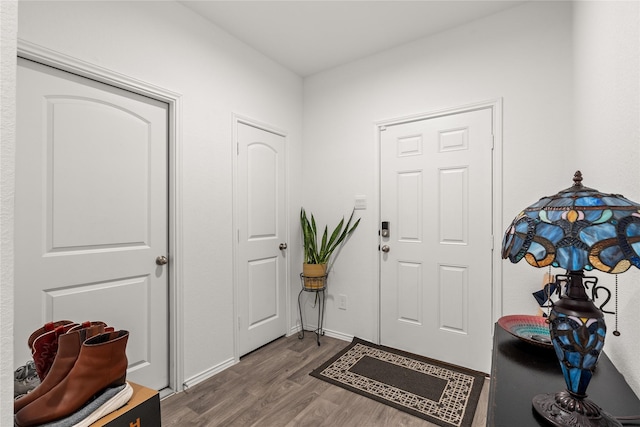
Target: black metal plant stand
[[320, 302]]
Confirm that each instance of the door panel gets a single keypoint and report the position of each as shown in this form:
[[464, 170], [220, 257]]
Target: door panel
[[436, 191], [454, 302], [109, 137], [263, 291], [92, 213], [409, 292], [261, 262]]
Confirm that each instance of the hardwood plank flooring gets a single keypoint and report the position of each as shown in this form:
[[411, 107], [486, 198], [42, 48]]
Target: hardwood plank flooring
[[272, 387]]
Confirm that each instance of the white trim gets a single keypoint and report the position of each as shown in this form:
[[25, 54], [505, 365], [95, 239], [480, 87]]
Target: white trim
[[73, 65], [439, 113], [235, 226], [327, 332], [376, 284], [497, 188], [498, 227], [46, 56], [237, 118], [241, 119], [205, 375], [337, 335]]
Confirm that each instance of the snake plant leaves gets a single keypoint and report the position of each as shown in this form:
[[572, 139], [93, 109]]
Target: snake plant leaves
[[321, 254]]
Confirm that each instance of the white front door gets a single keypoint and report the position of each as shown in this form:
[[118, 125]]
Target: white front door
[[92, 213], [261, 263], [436, 263]]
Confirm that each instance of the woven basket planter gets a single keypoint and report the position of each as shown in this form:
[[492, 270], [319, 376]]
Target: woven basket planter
[[314, 276]]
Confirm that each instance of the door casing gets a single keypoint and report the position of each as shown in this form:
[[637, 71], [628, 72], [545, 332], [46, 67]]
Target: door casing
[[496, 113], [73, 65]]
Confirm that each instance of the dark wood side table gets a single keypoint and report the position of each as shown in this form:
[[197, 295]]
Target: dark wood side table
[[520, 370]]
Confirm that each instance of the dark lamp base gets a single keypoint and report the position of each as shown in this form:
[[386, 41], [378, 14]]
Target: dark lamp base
[[564, 410]]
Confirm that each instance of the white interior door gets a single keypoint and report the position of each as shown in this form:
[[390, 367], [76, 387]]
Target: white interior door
[[92, 213], [436, 277], [261, 284]]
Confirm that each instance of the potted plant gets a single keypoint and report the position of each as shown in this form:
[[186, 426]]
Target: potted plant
[[318, 254]]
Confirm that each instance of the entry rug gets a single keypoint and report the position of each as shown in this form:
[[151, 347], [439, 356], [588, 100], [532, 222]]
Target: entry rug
[[440, 393]]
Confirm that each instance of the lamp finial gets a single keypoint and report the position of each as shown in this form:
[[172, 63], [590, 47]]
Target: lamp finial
[[577, 179]]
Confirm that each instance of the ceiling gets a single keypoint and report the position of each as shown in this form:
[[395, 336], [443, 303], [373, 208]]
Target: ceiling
[[311, 36]]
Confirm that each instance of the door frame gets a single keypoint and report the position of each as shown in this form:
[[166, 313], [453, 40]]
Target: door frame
[[495, 105], [236, 120], [46, 56]]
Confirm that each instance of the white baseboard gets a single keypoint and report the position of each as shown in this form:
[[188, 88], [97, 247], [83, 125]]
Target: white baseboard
[[208, 373], [338, 335], [327, 332], [294, 330]]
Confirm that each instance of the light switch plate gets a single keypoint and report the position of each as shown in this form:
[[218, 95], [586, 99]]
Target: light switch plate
[[361, 202]]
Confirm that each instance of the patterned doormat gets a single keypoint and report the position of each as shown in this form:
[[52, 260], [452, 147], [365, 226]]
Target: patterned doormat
[[440, 393]]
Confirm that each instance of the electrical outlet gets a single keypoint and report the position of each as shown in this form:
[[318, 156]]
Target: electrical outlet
[[342, 302]]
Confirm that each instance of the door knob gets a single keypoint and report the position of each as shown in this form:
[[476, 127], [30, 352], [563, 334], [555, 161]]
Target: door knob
[[385, 248], [162, 260], [283, 246]]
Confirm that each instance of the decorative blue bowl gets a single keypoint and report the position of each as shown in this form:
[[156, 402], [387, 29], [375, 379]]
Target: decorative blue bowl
[[531, 329]]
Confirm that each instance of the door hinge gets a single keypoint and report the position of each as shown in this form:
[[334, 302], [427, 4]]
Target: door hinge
[[237, 148]]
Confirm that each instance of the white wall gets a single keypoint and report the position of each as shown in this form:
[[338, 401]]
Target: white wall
[[607, 138], [8, 33], [523, 55], [569, 80], [166, 44]]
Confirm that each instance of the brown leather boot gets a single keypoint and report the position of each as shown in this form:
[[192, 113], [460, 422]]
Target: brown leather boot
[[102, 363], [69, 345], [48, 327], [45, 346], [88, 324]]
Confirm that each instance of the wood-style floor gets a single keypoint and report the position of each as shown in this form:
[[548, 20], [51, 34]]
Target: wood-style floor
[[272, 387]]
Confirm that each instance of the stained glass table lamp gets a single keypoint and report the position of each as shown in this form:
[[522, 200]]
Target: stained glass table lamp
[[579, 229]]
